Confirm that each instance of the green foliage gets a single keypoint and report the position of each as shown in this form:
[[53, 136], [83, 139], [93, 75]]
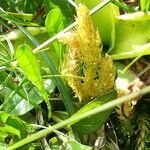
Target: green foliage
[[67, 10], [136, 27], [55, 22], [20, 106], [145, 5], [5, 80], [13, 19], [67, 142], [24, 5], [91, 124], [12, 127], [29, 64], [30, 74], [22, 100]]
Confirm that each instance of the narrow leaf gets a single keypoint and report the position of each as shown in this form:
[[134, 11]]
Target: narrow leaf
[[6, 80]]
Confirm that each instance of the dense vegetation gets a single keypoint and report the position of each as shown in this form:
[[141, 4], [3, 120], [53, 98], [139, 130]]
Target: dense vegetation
[[74, 74]]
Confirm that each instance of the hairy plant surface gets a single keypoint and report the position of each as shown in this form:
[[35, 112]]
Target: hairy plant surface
[[93, 73]]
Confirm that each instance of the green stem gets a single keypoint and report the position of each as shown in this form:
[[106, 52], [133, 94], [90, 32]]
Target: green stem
[[123, 6], [94, 111], [21, 15], [130, 64], [143, 71], [6, 62], [61, 76]]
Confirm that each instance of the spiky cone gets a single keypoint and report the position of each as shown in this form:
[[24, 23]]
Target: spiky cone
[[88, 73]]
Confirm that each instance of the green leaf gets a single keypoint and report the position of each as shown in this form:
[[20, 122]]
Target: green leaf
[[3, 135], [12, 126], [67, 141], [59, 82], [55, 22], [132, 36], [145, 5], [59, 116], [4, 116], [17, 124], [17, 34], [3, 146], [10, 131], [29, 64], [21, 102], [64, 6], [95, 122], [72, 144], [20, 106], [6, 80], [127, 76], [23, 16]]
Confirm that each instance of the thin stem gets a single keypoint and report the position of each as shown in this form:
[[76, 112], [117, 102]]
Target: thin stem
[[6, 50], [25, 16], [12, 94], [73, 3], [7, 62], [144, 70], [58, 75], [123, 6], [130, 64], [94, 111]]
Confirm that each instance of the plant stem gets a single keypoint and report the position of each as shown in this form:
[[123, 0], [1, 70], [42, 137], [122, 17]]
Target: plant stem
[[12, 94], [130, 64], [123, 6], [143, 71], [94, 111]]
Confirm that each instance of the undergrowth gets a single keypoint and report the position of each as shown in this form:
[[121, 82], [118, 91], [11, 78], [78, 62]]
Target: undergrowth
[[74, 74]]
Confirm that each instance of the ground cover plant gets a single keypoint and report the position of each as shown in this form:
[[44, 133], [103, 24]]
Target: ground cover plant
[[75, 74]]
